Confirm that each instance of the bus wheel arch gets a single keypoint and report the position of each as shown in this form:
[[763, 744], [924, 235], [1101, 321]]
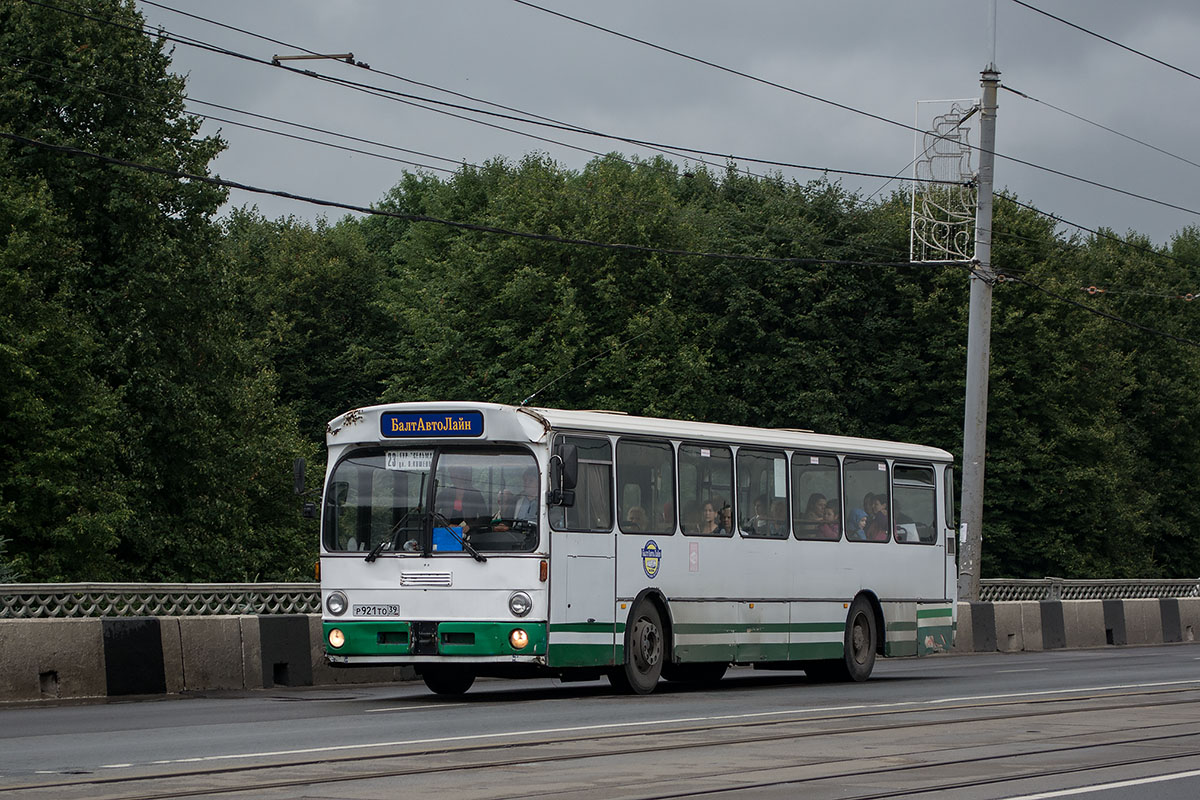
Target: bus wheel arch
[[648, 644]]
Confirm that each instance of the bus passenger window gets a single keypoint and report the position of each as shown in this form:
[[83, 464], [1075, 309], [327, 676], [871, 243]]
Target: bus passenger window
[[915, 494], [646, 487], [866, 506], [816, 497], [762, 494], [705, 489], [593, 489]]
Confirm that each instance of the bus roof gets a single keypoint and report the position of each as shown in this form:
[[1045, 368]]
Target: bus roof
[[625, 424]]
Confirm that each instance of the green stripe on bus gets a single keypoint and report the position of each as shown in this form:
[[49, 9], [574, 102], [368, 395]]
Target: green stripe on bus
[[924, 613], [904, 647], [902, 625], [581, 655], [384, 637], [758, 627]]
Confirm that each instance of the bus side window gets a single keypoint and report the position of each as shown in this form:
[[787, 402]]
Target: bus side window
[[816, 497], [915, 493], [866, 505], [762, 494], [705, 489], [592, 510], [646, 487]]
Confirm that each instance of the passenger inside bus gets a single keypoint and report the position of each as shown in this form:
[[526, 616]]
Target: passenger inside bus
[[878, 527], [777, 524], [726, 519], [708, 525], [635, 520], [814, 515], [856, 525], [527, 502], [829, 528]]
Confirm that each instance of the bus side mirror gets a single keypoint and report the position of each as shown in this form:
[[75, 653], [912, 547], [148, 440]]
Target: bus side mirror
[[298, 470], [564, 472]]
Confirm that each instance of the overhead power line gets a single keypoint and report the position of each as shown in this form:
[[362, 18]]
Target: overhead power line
[[1100, 313], [851, 109], [1133, 139], [1082, 29], [488, 229]]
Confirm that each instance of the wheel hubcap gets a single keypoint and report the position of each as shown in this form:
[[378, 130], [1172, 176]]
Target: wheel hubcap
[[859, 639], [647, 644]]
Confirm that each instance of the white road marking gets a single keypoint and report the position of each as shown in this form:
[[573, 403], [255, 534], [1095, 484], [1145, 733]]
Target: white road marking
[[1099, 787], [300, 751], [1038, 669], [412, 708]]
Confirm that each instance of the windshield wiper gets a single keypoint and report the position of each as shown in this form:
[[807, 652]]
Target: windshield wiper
[[462, 539], [391, 537]]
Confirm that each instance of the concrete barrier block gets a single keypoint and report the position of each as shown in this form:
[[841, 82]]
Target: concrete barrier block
[[252, 671], [1053, 630], [286, 651], [133, 656], [983, 627], [1143, 621], [1031, 626], [1084, 623], [963, 635], [1189, 618], [212, 653], [51, 658], [1010, 636], [1172, 630], [172, 654]]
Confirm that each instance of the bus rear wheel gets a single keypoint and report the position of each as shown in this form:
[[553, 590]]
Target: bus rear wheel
[[858, 651], [644, 649], [448, 680]]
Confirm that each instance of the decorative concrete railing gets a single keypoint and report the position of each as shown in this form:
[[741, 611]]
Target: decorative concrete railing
[[1003, 589], [45, 600], [29, 600]]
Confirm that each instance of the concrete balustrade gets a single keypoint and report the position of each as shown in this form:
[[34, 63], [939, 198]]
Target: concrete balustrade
[[51, 659]]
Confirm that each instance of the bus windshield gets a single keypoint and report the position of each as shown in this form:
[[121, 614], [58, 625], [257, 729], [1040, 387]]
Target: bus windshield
[[384, 500]]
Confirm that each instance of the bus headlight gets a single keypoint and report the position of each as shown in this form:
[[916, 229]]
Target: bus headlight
[[336, 638], [336, 603], [518, 639], [519, 604]]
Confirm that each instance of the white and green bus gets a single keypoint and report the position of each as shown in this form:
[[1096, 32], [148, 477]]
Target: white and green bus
[[469, 539]]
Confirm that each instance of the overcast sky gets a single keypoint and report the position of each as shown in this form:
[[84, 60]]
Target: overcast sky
[[879, 56]]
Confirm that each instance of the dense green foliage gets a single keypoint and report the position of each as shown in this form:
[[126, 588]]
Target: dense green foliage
[[159, 369]]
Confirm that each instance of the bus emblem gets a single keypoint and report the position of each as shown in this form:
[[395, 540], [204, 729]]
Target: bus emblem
[[651, 553]]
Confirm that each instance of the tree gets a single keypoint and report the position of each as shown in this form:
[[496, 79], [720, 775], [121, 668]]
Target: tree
[[185, 413]]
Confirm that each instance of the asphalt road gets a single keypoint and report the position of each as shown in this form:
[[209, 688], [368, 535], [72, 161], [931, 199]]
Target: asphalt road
[[1108, 724]]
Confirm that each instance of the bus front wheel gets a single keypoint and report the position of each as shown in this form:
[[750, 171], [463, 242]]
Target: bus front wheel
[[448, 680], [644, 649]]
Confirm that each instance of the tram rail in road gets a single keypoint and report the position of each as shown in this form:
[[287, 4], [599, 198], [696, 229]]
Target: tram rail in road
[[970, 727]]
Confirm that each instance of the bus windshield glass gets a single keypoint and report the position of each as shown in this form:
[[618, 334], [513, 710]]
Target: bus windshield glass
[[385, 500]]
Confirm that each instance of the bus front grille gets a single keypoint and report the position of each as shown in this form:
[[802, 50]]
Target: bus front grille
[[425, 579]]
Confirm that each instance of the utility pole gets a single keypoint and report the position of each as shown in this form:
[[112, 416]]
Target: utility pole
[[979, 332]]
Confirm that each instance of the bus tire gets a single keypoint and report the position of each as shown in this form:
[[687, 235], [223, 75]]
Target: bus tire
[[644, 652], [858, 658], [448, 680], [858, 650]]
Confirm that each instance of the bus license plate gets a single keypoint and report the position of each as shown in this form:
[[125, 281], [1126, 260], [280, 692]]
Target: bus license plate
[[388, 610]]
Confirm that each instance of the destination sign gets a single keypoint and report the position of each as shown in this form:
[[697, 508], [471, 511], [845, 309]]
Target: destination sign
[[423, 424]]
